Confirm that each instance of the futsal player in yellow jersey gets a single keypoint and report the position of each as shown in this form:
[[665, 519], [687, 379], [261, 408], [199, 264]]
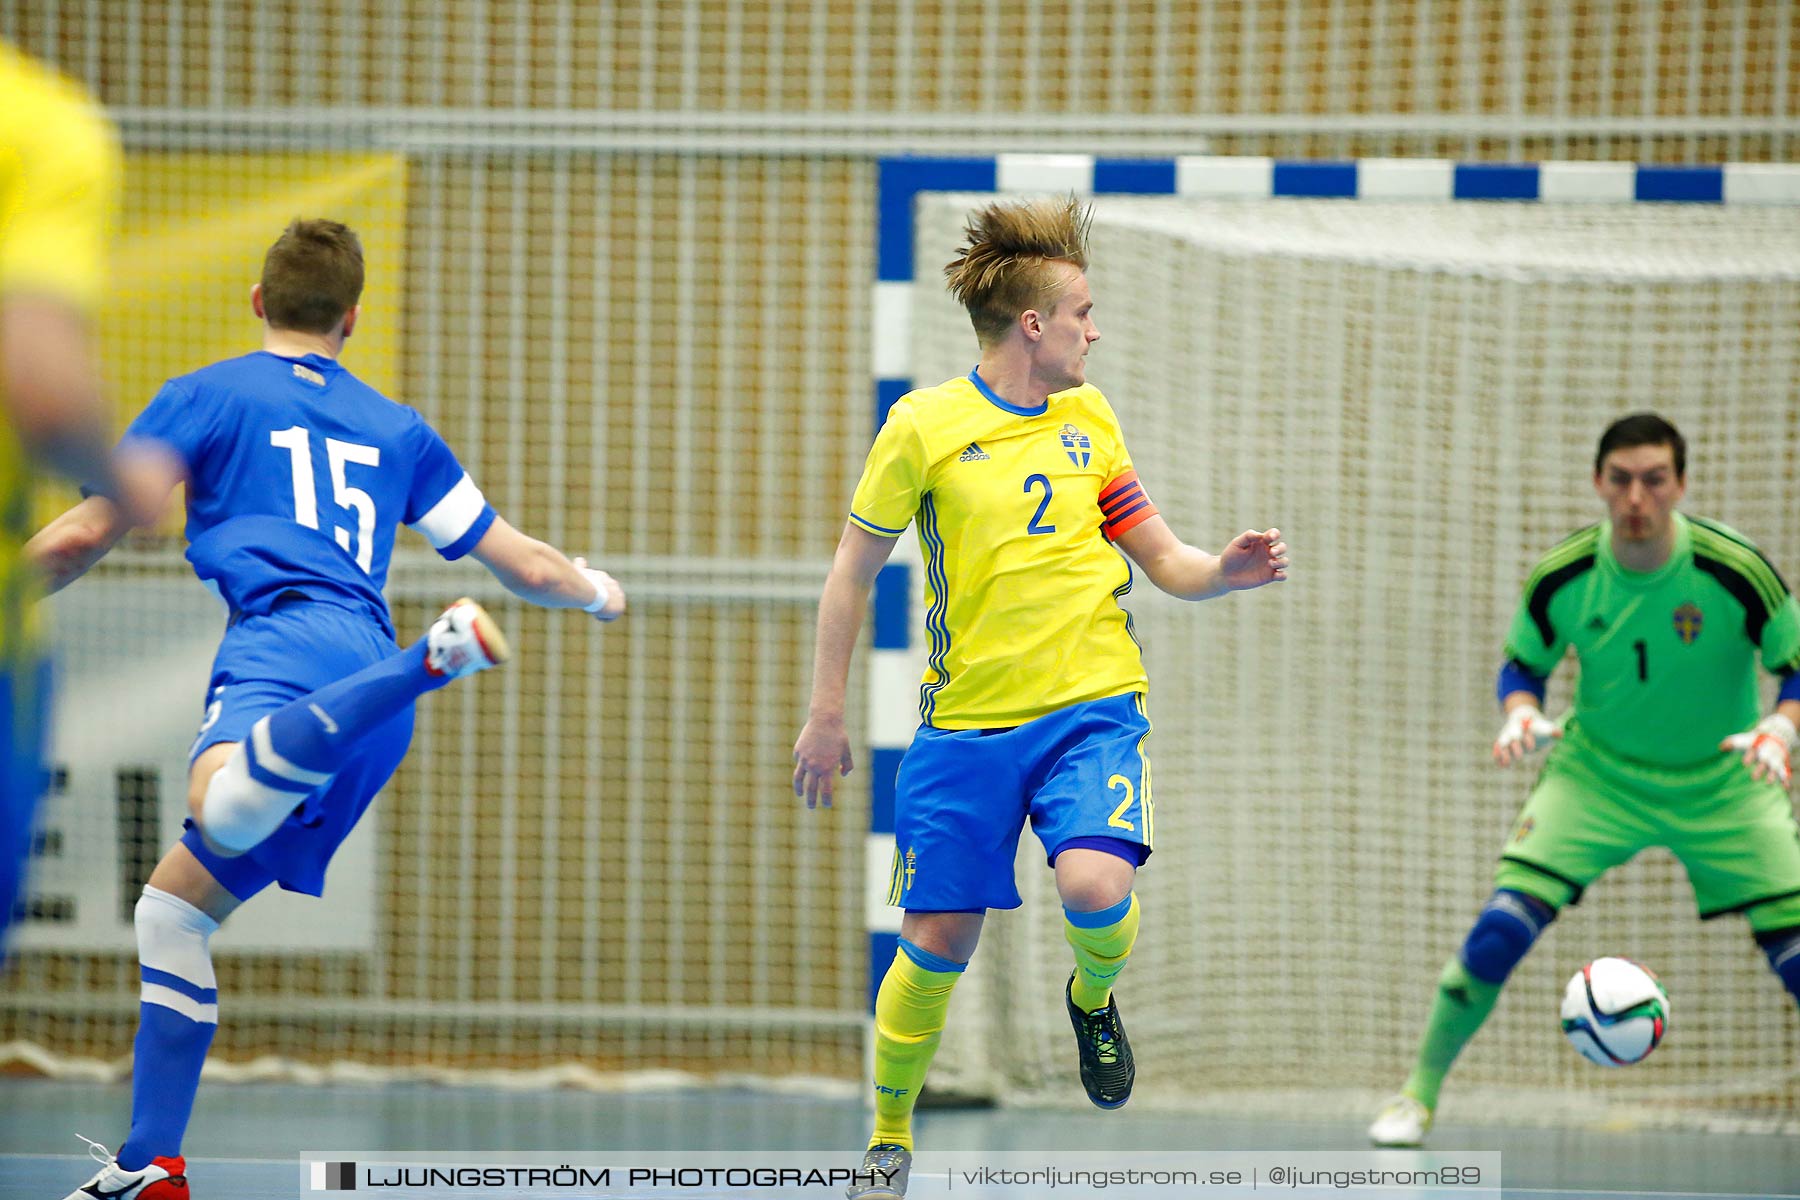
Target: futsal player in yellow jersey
[[1032, 706], [59, 179]]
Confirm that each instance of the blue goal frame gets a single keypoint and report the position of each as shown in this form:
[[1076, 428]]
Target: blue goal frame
[[901, 179]]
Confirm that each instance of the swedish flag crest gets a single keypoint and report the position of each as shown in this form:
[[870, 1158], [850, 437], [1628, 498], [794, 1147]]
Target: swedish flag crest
[[1077, 443], [1688, 619]]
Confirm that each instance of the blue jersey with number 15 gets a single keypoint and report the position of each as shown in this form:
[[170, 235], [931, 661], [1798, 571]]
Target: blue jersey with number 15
[[299, 477]]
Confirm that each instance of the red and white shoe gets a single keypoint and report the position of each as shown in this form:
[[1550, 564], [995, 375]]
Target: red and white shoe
[[463, 641], [163, 1179]]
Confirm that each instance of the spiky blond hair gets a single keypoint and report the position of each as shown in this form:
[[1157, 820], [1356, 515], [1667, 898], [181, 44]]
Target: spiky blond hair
[[1009, 261]]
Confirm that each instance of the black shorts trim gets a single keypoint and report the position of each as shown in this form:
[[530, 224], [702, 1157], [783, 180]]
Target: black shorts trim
[[1749, 904], [1547, 873]]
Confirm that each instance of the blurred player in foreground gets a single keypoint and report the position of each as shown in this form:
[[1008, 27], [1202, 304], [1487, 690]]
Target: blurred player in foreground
[[299, 476], [59, 183], [1033, 703], [1668, 615]]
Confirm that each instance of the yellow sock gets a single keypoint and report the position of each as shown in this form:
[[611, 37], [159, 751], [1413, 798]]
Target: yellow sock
[[1102, 942], [909, 1019]]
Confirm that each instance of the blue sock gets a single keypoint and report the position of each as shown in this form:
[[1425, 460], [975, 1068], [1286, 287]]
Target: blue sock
[[177, 1017], [319, 731], [165, 1074], [1783, 948]]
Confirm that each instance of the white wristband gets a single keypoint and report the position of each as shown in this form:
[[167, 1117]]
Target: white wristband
[[600, 595]]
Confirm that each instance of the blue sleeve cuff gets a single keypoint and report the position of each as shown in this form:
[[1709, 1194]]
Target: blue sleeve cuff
[[877, 530], [1790, 687], [466, 542], [1515, 678]]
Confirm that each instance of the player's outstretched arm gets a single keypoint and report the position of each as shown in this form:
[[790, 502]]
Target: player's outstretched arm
[[68, 546], [539, 572], [1249, 560], [823, 751], [65, 549]]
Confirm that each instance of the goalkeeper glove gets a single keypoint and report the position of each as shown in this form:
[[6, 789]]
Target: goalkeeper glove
[[1765, 747], [1526, 729]]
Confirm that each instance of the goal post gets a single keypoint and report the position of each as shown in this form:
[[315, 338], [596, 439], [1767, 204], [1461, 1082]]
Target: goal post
[[1405, 365]]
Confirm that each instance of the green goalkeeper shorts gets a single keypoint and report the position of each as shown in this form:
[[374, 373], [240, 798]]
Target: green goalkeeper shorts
[[1591, 811]]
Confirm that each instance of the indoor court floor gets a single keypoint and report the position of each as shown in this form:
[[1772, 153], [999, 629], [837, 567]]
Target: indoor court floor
[[247, 1140]]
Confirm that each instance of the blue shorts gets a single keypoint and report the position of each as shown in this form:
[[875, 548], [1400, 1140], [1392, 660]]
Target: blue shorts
[[24, 706], [263, 663], [1079, 774]]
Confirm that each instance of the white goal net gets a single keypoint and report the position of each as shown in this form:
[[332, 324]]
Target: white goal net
[[1413, 393]]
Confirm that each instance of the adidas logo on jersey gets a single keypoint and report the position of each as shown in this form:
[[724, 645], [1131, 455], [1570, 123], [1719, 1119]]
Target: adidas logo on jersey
[[973, 454]]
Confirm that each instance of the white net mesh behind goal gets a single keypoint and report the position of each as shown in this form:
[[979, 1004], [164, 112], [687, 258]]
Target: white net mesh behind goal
[[1413, 394]]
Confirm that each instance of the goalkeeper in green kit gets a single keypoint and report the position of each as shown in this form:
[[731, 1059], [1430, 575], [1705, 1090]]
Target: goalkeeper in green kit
[[1666, 744]]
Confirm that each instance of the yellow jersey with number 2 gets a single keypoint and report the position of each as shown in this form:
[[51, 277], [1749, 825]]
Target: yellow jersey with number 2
[[1017, 509]]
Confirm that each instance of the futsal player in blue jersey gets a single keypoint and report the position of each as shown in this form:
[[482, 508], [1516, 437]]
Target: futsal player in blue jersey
[[298, 478]]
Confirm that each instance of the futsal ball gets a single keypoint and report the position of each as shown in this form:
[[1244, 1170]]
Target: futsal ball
[[1614, 1012]]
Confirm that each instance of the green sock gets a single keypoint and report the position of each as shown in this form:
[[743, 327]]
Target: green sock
[[1463, 1003]]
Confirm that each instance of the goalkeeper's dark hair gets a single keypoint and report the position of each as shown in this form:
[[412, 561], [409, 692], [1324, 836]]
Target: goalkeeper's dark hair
[[312, 276], [1643, 429], [1008, 261]]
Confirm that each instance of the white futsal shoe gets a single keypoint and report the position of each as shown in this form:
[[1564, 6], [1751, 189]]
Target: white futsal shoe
[[1402, 1121], [464, 640], [163, 1179]]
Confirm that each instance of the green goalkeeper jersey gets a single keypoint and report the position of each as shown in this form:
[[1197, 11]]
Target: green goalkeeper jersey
[[1668, 657]]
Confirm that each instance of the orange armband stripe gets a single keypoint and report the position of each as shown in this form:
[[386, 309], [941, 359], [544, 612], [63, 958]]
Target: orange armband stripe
[[1124, 506]]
